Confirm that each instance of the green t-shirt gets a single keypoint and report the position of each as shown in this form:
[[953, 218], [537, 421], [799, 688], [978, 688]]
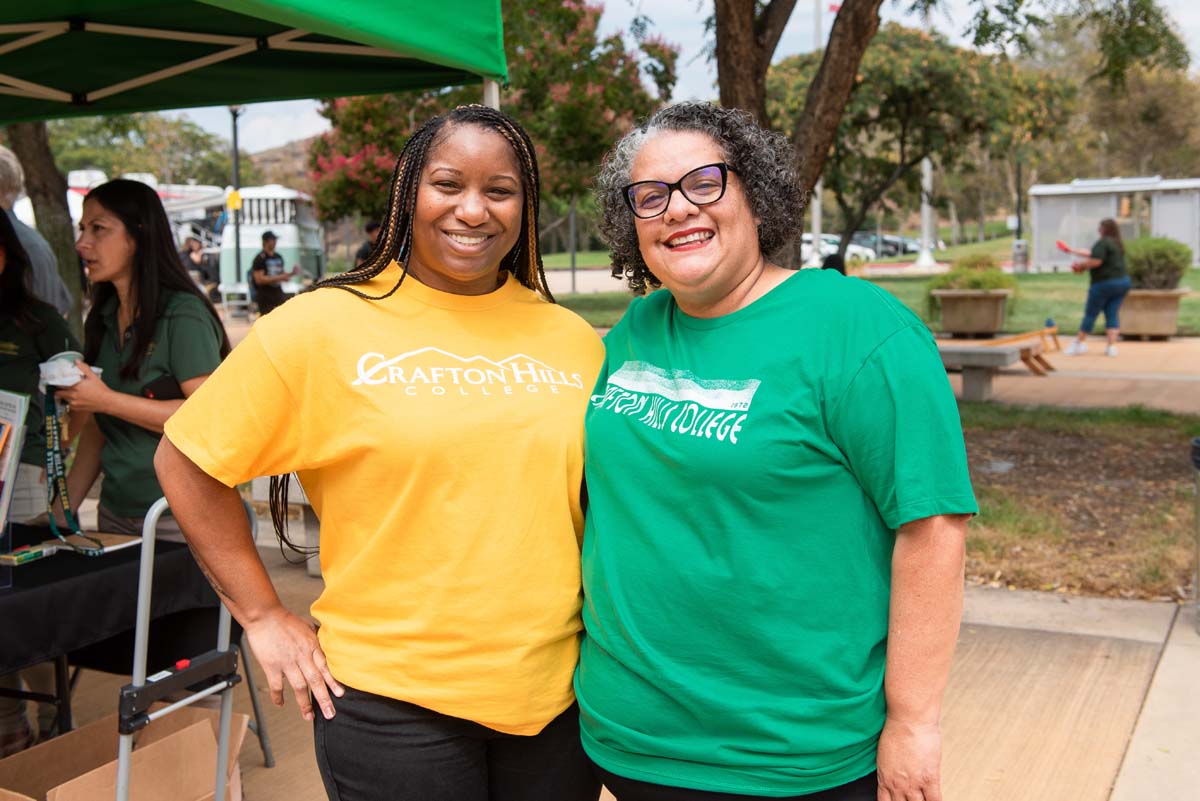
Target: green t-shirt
[[20, 354], [186, 344], [1112, 261], [745, 477]]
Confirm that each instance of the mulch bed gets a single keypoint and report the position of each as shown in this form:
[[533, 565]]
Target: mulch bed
[[1106, 513]]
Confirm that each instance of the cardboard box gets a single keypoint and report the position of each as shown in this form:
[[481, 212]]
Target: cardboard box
[[174, 759]]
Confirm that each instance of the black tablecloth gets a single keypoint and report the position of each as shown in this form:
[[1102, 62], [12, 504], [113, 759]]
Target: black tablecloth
[[68, 601]]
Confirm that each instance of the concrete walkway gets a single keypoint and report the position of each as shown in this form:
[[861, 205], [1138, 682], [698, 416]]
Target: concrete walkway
[[1059, 697], [1158, 375]]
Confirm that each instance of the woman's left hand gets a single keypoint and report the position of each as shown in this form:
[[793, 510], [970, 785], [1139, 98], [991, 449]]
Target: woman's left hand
[[909, 761], [91, 394]]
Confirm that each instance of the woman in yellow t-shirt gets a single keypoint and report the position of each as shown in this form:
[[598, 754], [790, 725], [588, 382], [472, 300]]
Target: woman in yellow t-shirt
[[431, 403]]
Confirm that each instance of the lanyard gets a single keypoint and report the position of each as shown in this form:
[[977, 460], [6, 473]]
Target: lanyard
[[56, 479]]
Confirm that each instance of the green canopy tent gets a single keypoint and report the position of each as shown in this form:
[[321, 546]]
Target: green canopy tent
[[61, 58]]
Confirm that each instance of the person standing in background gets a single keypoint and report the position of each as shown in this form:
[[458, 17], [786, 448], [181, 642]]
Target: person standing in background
[[156, 339], [1110, 283], [372, 229], [267, 272], [45, 281], [207, 275]]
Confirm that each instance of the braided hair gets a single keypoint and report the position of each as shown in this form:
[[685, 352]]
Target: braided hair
[[524, 261]]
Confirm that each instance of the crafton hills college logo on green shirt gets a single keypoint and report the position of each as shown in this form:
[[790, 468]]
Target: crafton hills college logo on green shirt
[[678, 401]]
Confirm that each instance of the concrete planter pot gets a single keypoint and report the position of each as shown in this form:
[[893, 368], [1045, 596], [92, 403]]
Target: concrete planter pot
[[972, 311], [1151, 312]]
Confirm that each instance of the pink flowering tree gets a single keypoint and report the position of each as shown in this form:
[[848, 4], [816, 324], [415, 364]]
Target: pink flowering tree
[[574, 91]]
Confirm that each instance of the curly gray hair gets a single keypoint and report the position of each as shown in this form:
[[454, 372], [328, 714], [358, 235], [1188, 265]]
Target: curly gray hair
[[763, 159]]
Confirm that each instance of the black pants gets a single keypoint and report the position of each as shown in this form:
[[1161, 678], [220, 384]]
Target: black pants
[[380, 749], [864, 789]]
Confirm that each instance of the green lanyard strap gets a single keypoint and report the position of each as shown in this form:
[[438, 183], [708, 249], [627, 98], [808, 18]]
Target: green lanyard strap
[[56, 479]]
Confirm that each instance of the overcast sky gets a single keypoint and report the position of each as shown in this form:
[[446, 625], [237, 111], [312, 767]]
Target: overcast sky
[[266, 125]]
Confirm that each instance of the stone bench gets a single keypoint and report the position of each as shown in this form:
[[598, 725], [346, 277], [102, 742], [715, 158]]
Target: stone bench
[[979, 364]]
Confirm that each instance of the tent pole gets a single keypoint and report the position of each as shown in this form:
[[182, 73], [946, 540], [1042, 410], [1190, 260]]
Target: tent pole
[[234, 111], [491, 93]]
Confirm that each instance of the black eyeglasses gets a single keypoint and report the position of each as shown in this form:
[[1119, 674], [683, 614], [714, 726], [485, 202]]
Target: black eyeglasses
[[701, 186]]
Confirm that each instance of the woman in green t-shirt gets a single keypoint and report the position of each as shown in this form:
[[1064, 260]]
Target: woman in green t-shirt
[[1105, 265], [778, 494], [156, 338]]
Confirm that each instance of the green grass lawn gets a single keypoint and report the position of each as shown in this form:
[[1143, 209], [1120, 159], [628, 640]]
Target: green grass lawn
[[601, 309], [997, 417], [1057, 296], [584, 259]]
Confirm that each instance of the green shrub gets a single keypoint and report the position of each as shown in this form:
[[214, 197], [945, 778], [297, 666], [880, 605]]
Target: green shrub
[[976, 262], [969, 278], [1156, 262]]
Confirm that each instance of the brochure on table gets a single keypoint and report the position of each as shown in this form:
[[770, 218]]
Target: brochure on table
[[13, 408]]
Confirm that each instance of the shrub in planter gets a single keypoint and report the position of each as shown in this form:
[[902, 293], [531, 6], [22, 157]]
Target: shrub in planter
[[1156, 266], [1156, 262], [974, 275]]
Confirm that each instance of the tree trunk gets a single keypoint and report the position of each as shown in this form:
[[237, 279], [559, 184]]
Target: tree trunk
[[828, 94], [982, 218], [955, 225], [745, 43], [47, 190]]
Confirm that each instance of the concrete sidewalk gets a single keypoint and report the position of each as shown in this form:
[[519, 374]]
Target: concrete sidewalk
[[1158, 375], [1061, 697]]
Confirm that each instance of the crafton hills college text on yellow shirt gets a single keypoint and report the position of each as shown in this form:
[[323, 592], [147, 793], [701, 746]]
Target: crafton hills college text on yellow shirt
[[440, 440]]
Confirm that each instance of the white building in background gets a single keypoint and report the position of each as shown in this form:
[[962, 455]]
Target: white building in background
[[1147, 206]]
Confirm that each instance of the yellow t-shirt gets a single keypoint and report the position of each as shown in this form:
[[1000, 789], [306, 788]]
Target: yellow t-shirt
[[439, 439]]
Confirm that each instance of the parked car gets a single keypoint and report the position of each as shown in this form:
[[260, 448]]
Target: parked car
[[876, 242], [806, 247], [830, 243]]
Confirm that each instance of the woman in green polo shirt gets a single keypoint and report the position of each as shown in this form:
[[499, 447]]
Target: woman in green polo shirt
[[1109, 284], [156, 338]]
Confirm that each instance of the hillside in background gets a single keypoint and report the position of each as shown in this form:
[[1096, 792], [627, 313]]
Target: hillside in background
[[286, 164]]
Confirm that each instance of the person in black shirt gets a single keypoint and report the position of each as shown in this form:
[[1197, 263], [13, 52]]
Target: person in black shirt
[[1110, 283], [372, 230], [202, 267], [267, 271]]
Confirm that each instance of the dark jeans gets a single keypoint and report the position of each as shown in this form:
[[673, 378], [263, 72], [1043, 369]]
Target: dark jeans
[[1105, 296], [864, 789], [381, 749]]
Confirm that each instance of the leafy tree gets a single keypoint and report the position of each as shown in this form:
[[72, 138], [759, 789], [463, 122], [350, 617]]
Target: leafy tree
[[573, 90], [47, 190], [173, 150], [917, 96], [1145, 127], [1129, 32]]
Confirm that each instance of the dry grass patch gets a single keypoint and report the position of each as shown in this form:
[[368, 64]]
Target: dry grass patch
[[1095, 503]]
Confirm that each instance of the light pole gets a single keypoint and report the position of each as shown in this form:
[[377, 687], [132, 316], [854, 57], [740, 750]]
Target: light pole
[[234, 112], [925, 259], [814, 258]]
